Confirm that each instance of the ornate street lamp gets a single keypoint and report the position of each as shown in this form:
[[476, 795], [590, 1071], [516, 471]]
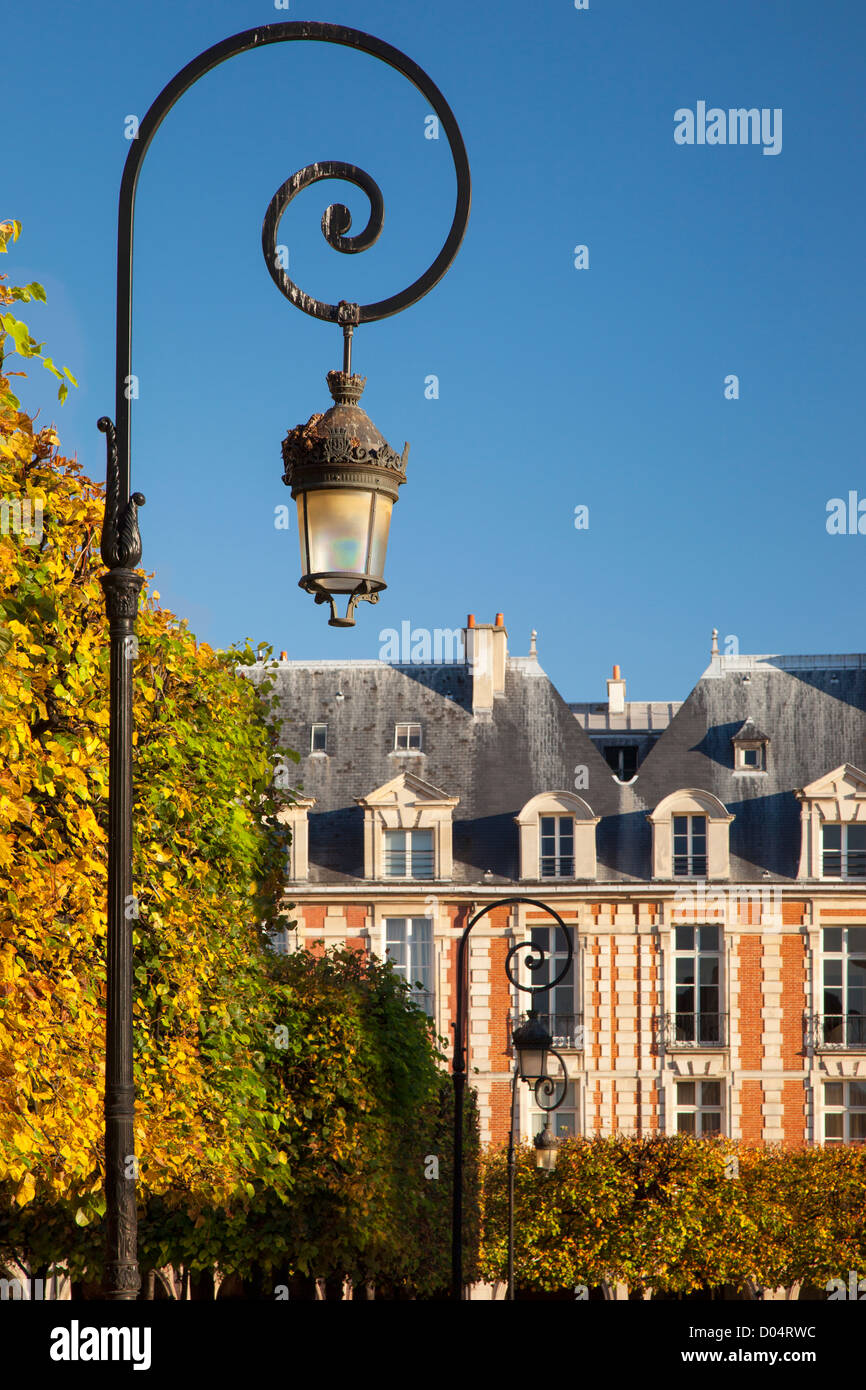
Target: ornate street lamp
[[533, 1045], [344, 478]]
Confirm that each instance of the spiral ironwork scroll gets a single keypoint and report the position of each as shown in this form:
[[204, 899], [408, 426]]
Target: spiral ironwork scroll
[[549, 1085], [536, 957], [336, 222]]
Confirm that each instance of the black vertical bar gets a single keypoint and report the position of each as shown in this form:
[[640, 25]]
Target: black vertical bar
[[510, 1292], [121, 1278]]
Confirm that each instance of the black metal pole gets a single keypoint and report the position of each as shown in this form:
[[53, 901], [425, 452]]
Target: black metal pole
[[121, 549], [511, 1166], [458, 1067]]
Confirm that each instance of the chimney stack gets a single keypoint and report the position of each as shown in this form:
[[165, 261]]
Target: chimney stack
[[486, 647], [616, 693]]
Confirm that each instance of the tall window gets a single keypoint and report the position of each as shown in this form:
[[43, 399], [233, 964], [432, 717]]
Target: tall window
[[844, 851], [844, 952], [557, 1007], [562, 1121], [319, 738], [407, 737], [699, 1107], [697, 965], [844, 1112], [557, 847], [690, 846], [408, 853], [409, 944]]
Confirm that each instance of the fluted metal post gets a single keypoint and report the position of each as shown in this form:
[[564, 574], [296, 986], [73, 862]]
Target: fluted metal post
[[121, 1277]]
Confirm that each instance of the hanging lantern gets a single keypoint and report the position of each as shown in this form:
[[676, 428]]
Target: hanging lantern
[[344, 478]]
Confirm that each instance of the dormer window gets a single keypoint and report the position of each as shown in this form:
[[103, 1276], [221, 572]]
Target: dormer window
[[690, 836], [750, 748], [833, 825], [319, 738], [407, 830], [557, 837], [407, 738]]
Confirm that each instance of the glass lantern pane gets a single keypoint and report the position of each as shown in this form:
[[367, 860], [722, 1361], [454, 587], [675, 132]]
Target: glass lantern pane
[[532, 1061], [302, 531], [379, 541], [338, 522]]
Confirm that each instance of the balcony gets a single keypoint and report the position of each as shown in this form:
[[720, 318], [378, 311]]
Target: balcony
[[836, 1031], [566, 1030], [692, 1030]]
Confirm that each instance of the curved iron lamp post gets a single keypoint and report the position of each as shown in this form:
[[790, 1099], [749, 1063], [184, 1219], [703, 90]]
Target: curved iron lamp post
[[533, 1045], [535, 959], [344, 478]]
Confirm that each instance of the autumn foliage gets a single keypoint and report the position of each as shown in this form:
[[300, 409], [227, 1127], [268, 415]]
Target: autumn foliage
[[678, 1215]]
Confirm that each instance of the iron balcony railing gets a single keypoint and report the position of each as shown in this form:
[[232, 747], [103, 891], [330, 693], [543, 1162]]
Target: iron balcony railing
[[557, 866], [416, 863], [566, 1030], [694, 1030], [836, 1030]]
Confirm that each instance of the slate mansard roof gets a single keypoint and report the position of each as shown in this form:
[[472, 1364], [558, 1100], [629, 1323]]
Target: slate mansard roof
[[812, 709]]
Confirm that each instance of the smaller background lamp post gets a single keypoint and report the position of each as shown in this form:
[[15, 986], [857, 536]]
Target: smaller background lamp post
[[536, 1048], [534, 1051]]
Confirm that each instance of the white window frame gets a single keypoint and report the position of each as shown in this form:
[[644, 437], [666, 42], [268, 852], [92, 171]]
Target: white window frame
[[313, 729], [696, 953], [408, 726], [557, 856], [409, 851], [690, 856], [843, 875], [844, 955], [845, 1109], [570, 1035], [699, 1107], [408, 970]]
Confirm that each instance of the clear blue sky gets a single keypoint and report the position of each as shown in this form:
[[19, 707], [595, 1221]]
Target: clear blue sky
[[558, 387]]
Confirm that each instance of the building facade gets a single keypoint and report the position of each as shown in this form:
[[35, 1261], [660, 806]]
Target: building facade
[[708, 857]]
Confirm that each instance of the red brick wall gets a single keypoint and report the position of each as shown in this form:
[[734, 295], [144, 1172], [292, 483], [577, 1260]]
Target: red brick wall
[[751, 1002], [752, 1120], [794, 1116], [793, 1000]]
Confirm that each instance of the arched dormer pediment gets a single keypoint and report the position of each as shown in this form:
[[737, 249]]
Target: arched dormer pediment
[[690, 801], [691, 830], [556, 803], [557, 837]]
